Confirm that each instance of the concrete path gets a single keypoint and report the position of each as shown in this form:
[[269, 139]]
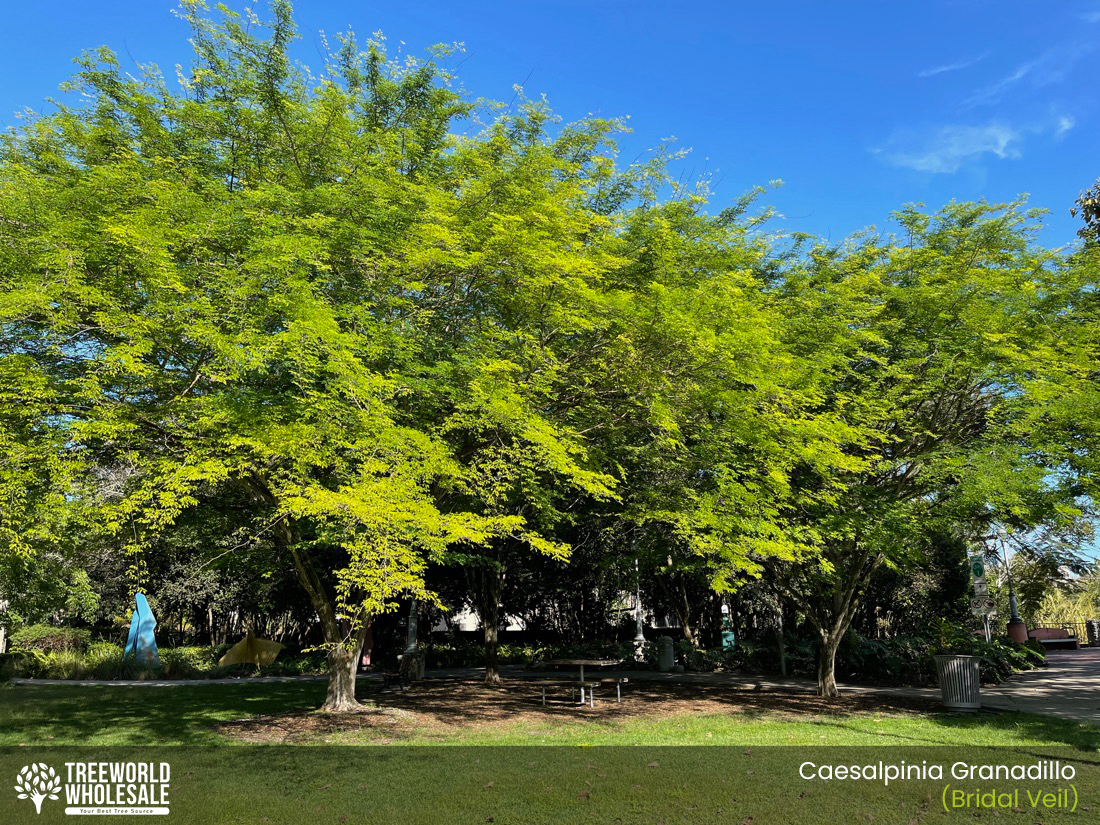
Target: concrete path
[[1068, 687]]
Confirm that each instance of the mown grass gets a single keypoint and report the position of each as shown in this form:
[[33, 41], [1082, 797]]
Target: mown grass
[[585, 776], [190, 715]]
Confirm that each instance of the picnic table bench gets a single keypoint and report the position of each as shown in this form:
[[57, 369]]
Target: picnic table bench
[[588, 685], [583, 684]]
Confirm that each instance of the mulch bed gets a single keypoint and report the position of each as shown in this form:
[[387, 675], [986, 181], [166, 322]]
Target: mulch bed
[[439, 706]]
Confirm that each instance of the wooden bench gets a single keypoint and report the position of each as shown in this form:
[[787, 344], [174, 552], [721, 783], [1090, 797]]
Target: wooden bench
[[1054, 638]]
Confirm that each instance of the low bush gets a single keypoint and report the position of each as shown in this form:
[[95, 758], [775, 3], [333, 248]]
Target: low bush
[[49, 639], [902, 660], [104, 660], [187, 662]]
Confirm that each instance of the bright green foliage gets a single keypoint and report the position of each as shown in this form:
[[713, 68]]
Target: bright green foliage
[[942, 349], [342, 317], [1088, 206], [301, 287]]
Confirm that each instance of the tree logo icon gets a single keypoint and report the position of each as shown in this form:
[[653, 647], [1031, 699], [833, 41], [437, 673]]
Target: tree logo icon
[[37, 782]]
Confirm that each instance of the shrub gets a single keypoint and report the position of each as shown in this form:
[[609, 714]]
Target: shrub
[[902, 660], [703, 660], [15, 665], [47, 638], [187, 662], [104, 660]]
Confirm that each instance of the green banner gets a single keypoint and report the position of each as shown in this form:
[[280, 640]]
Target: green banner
[[374, 784]]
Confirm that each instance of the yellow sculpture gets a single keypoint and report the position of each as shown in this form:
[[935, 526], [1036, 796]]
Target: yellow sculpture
[[251, 650]]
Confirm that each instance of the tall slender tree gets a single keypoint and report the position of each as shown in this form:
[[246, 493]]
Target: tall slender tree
[[939, 348]]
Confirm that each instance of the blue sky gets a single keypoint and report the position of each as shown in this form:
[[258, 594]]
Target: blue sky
[[858, 106]]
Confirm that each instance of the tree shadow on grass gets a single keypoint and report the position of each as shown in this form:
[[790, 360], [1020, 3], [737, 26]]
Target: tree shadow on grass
[[450, 709], [140, 715]]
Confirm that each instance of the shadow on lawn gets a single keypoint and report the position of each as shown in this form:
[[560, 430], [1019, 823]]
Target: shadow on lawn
[[447, 707], [474, 704], [283, 712], [176, 715]]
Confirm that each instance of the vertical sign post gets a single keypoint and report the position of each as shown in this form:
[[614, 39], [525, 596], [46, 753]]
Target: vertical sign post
[[980, 603]]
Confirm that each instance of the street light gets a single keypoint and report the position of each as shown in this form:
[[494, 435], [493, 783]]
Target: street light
[[410, 646], [1017, 630], [639, 624]]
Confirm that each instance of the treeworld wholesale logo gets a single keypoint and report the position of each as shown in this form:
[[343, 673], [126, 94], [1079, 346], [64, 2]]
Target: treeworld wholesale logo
[[119, 788], [37, 783]]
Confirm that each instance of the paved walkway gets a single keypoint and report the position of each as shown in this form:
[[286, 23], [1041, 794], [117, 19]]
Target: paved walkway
[[1068, 687]]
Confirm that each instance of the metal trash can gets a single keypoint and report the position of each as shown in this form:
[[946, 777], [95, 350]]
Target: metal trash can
[[666, 659], [1092, 631], [960, 682]]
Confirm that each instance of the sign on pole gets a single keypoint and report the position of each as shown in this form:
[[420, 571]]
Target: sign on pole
[[982, 606]]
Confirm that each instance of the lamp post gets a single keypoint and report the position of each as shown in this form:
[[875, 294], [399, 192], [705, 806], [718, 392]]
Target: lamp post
[[410, 646], [1017, 630], [639, 624]]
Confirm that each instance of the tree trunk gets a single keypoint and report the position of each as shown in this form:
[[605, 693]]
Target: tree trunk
[[343, 652], [492, 650], [826, 664], [343, 664], [832, 616], [681, 606], [486, 586], [690, 636], [340, 697], [781, 640]]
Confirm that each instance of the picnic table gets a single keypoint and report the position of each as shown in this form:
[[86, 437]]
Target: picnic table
[[582, 664]]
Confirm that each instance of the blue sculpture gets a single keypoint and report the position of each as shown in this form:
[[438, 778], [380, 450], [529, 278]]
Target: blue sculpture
[[141, 643]]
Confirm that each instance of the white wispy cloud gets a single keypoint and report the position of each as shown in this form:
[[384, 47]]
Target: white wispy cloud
[[1048, 68], [951, 67], [1065, 123], [1091, 16], [950, 147]]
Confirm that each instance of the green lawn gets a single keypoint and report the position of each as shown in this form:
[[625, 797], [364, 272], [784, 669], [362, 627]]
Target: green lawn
[[188, 715], [745, 781]]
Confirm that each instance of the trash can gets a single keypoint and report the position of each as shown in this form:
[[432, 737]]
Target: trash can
[[665, 657], [960, 681], [1092, 631]]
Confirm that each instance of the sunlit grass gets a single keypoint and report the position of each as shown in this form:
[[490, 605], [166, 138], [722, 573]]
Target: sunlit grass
[[189, 715]]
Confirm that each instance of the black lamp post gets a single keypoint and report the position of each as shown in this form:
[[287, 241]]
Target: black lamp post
[[1017, 630], [639, 623], [410, 646]]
